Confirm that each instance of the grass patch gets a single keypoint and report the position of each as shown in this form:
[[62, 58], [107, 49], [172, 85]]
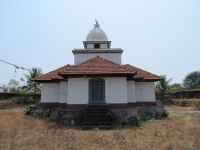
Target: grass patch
[[187, 102], [18, 131]]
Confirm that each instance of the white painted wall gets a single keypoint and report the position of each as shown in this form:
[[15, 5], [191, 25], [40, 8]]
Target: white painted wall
[[63, 92], [50, 92], [115, 57], [103, 45], [90, 45], [116, 90], [131, 91], [78, 90], [145, 91]]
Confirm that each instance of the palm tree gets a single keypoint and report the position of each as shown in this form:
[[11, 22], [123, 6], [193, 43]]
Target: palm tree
[[33, 86], [163, 87]]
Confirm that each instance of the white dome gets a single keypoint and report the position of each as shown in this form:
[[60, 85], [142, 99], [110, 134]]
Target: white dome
[[96, 34]]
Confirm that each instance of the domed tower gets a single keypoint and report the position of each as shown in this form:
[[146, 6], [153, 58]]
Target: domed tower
[[96, 39], [97, 44]]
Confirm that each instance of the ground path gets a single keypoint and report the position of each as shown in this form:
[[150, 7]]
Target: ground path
[[184, 113]]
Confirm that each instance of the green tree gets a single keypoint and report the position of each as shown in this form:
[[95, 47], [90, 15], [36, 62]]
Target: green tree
[[176, 86], [192, 80], [13, 86], [4, 88], [163, 87], [33, 86]]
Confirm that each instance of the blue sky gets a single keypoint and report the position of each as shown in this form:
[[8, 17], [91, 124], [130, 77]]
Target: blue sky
[[162, 37]]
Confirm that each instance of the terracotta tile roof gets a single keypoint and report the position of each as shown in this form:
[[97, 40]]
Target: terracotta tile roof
[[95, 66], [141, 74], [53, 75]]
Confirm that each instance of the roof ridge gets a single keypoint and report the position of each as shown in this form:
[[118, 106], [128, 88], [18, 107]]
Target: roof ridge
[[128, 68], [100, 58], [97, 65]]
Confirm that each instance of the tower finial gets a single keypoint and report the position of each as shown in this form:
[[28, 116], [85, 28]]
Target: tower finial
[[96, 21]]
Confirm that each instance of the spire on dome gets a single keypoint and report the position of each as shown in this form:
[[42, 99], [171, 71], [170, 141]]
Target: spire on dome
[[96, 38], [97, 34]]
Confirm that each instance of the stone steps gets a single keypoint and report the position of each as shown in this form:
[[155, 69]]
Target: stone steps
[[96, 123], [95, 116], [93, 127], [96, 119], [95, 112]]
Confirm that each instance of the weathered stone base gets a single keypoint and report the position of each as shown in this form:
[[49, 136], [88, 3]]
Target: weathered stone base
[[75, 116], [149, 110], [67, 116], [125, 114], [70, 117], [40, 112]]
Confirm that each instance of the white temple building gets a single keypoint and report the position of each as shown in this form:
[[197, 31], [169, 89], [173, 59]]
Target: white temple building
[[97, 77]]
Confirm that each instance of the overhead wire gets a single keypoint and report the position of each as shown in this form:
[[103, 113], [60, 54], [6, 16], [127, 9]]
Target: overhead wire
[[16, 67]]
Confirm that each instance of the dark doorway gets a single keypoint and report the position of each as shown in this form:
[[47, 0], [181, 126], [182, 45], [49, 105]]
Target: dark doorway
[[96, 90], [96, 45]]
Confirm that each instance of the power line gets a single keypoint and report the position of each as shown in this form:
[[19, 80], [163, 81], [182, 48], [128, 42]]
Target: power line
[[16, 67]]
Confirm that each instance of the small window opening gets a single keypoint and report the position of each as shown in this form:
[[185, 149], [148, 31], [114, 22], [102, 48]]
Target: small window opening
[[96, 45]]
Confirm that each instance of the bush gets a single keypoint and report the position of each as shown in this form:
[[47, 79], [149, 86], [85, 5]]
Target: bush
[[135, 121], [148, 118], [29, 108], [23, 100], [165, 114]]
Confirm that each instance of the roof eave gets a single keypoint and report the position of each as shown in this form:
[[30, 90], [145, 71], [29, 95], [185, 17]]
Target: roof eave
[[50, 80], [96, 75]]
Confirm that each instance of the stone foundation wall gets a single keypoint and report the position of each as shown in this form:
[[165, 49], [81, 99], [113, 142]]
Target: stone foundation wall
[[150, 110], [122, 114], [125, 114], [75, 117]]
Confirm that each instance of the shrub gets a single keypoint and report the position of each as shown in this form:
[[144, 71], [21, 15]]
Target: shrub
[[22, 100], [135, 121], [148, 118], [165, 114], [29, 108], [113, 125]]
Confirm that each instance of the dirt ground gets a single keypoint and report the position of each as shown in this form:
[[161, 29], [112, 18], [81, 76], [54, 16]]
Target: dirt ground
[[184, 113], [178, 111]]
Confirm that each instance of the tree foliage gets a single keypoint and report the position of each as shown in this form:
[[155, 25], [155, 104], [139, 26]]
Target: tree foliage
[[4, 88], [176, 86], [33, 86], [163, 87], [16, 86], [13, 86], [192, 80]]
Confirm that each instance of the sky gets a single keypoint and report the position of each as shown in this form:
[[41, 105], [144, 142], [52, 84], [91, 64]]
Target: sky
[[162, 37]]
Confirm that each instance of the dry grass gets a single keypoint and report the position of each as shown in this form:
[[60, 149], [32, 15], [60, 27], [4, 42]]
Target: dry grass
[[6, 104], [21, 132], [178, 108]]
